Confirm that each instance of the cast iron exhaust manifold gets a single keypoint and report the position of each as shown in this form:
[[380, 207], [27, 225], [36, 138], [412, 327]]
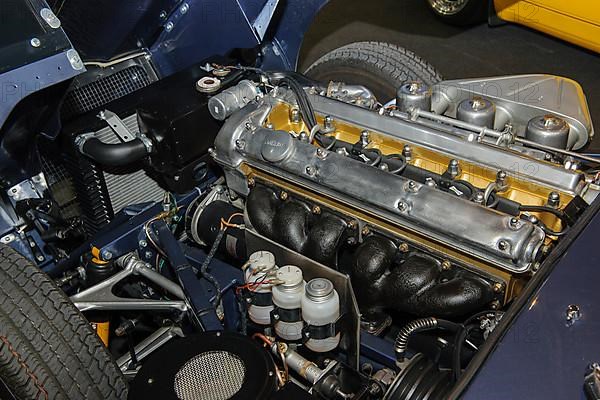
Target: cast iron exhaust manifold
[[414, 283]]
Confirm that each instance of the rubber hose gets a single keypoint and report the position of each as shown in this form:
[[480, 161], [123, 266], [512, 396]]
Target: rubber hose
[[114, 155]]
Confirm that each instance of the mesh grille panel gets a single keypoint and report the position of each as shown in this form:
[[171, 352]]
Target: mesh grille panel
[[213, 375], [105, 90]]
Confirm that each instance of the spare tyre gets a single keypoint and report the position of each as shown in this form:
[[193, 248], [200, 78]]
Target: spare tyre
[[48, 349]]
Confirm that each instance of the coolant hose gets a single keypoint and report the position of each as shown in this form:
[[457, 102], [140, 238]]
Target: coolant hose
[[419, 325], [114, 155]]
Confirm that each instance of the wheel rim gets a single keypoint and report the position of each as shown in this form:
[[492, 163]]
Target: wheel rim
[[447, 7]]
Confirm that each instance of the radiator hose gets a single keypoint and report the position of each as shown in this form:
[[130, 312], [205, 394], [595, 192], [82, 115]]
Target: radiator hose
[[114, 155]]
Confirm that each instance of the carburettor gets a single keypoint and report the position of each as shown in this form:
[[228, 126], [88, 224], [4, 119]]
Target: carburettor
[[442, 203]]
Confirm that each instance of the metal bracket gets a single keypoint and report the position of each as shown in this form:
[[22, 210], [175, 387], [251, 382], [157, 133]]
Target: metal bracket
[[101, 296], [116, 124], [262, 21], [147, 346]]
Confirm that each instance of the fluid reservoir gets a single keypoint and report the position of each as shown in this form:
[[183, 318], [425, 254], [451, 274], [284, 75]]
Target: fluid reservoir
[[287, 298], [477, 111], [548, 130], [321, 306], [261, 268], [413, 95]]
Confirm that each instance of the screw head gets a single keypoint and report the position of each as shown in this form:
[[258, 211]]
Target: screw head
[[352, 224], [169, 26], [498, 287], [283, 195], [365, 231], [573, 314], [316, 210], [240, 143], [310, 171], [251, 182], [503, 245], [403, 247], [495, 305], [35, 42], [446, 265], [514, 223]]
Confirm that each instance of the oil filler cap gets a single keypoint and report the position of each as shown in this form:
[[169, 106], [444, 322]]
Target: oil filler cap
[[277, 146]]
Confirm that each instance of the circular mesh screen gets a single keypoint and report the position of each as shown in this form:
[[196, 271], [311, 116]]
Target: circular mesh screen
[[214, 375]]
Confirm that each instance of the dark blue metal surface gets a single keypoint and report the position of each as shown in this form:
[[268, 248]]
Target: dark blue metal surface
[[541, 357]]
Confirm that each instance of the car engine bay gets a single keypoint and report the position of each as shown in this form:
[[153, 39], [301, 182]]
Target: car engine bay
[[235, 232]]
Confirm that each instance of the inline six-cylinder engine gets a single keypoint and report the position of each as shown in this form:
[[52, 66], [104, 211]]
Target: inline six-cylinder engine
[[443, 203]]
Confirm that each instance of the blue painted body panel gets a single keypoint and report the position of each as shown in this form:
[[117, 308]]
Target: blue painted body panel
[[540, 357]]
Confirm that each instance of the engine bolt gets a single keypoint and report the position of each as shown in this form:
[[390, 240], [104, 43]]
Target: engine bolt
[[240, 143], [554, 199], [106, 255], [407, 152], [429, 181], [365, 231], [479, 198], [142, 243], [495, 305], [514, 223], [251, 182], [402, 206], [384, 167], [503, 245], [403, 247], [328, 122], [412, 186], [351, 241], [501, 178], [310, 171], [295, 115], [364, 138], [283, 195], [498, 287], [212, 152], [269, 126], [446, 265], [352, 224], [303, 136], [454, 168], [321, 153], [316, 210]]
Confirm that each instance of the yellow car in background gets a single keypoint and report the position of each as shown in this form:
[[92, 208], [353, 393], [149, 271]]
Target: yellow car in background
[[576, 21]]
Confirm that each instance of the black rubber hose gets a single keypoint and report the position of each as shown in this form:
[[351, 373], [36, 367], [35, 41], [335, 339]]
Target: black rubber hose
[[114, 155]]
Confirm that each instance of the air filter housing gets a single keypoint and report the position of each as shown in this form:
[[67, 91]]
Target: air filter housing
[[207, 366]]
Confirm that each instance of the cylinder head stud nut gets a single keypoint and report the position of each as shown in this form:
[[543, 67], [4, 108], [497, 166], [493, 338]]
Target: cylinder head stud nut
[[407, 152], [502, 179], [328, 123], [364, 138], [479, 198], [554, 199], [295, 115], [454, 168]]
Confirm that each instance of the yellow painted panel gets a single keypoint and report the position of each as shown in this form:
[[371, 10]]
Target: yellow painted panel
[[555, 23]]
